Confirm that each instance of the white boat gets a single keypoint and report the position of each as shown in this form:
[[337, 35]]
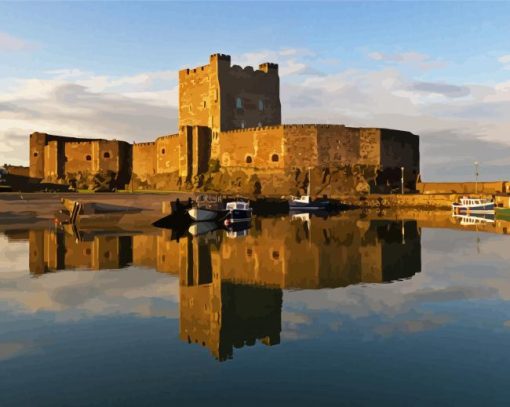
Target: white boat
[[237, 211], [207, 208], [203, 214], [304, 203], [473, 205]]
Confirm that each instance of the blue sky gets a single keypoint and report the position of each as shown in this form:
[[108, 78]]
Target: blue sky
[[433, 68]]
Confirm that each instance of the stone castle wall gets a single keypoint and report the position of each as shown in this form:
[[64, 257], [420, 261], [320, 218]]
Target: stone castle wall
[[144, 160], [231, 139], [224, 97]]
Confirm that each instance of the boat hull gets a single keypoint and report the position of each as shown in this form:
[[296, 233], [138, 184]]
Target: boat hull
[[309, 206], [204, 215], [238, 215]]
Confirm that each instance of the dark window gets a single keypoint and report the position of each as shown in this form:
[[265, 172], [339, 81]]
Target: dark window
[[162, 151], [276, 255], [88, 158], [87, 252], [106, 155], [65, 159], [249, 159], [275, 158], [35, 154]]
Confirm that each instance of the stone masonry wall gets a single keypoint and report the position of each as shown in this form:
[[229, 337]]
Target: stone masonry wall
[[256, 148], [144, 160], [194, 101], [167, 154]]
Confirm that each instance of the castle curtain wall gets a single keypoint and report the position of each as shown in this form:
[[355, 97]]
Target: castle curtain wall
[[258, 148], [231, 116], [167, 154], [144, 160]]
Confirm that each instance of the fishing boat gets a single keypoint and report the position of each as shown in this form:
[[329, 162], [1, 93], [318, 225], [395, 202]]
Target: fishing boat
[[473, 205], [237, 211], [305, 203], [207, 208]]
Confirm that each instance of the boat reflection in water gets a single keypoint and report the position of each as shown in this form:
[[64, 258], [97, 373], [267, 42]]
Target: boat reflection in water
[[232, 282], [475, 219]]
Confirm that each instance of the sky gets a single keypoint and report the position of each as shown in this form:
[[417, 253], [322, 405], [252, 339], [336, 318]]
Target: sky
[[109, 69]]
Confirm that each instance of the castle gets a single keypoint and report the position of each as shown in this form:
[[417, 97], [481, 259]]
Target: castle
[[231, 138]]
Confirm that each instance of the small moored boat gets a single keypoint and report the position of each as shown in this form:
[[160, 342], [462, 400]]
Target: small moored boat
[[473, 205], [304, 203], [237, 211], [207, 208]]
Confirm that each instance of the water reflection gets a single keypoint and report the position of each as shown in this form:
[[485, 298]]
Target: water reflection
[[231, 283]]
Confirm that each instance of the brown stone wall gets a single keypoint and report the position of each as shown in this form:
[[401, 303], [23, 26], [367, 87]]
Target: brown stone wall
[[399, 149], [185, 151], [194, 103], [257, 148], [108, 155], [144, 160], [37, 143], [18, 170], [201, 149], [300, 146], [338, 145], [259, 93], [208, 95], [80, 157], [167, 154], [369, 146], [496, 187], [51, 161]]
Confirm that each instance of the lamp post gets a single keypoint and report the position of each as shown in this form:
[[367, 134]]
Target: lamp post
[[402, 179], [476, 177]]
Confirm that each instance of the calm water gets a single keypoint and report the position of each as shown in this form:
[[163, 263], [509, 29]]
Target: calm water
[[347, 310]]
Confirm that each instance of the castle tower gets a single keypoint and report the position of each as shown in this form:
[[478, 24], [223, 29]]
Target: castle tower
[[224, 97]]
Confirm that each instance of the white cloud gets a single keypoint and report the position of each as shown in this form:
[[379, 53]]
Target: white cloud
[[8, 43], [416, 59], [143, 105], [505, 60], [82, 104]]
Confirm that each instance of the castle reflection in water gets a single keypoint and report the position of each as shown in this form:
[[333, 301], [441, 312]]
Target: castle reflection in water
[[231, 287]]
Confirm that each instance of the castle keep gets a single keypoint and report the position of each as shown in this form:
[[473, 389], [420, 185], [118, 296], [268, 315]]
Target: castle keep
[[231, 139]]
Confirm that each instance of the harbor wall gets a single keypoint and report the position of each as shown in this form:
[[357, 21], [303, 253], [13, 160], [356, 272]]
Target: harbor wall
[[495, 187]]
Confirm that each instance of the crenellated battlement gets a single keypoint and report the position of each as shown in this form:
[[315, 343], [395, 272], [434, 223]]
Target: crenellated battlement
[[168, 136], [144, 144]]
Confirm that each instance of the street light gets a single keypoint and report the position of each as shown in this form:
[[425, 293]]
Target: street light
[[476, 177], [402, 179]]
